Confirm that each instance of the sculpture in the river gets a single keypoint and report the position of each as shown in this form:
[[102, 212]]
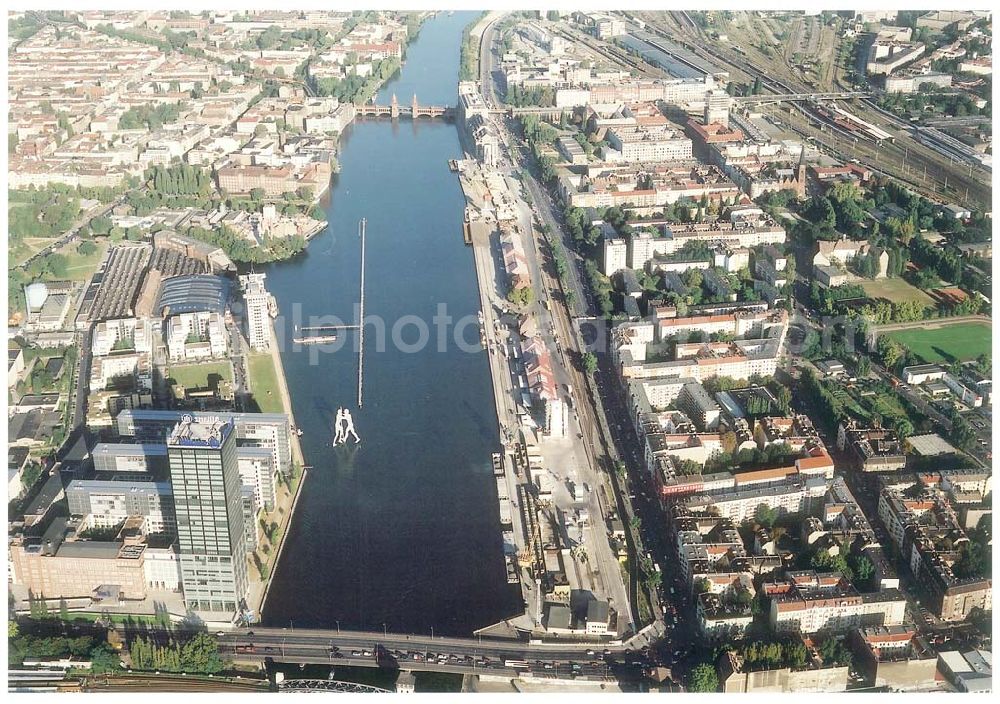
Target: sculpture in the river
[[343, 427], [338, 435]]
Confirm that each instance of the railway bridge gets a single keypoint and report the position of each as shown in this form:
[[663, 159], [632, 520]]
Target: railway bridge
[[394, 110], [304, 685]]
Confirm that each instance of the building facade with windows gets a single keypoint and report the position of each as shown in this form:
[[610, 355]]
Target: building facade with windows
[[208, 506]]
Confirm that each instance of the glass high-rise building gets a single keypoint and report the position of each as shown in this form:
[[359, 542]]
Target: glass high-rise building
[[209, 512]]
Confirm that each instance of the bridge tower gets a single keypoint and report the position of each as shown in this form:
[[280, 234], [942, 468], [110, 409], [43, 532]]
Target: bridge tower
[[394, 108], [415, 107]]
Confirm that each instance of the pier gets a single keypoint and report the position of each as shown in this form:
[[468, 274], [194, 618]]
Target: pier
[[395, 111]]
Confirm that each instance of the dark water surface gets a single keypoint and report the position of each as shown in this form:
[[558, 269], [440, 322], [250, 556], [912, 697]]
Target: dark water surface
[[402, 530]]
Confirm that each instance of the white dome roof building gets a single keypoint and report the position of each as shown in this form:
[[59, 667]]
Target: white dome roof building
[[35, 295]]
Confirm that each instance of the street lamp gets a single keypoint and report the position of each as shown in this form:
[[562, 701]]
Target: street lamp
[[338, 627]]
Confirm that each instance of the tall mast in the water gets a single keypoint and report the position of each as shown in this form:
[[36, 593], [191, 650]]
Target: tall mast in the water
[[361, 313]]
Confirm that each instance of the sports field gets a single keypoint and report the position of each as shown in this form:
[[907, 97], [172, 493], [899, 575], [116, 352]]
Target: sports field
[[963, 341], [895, 290]]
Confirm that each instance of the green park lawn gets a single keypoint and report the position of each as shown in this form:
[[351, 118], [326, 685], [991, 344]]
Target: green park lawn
[[195, 376], [81, 267], [264, 384], [963, 341], [895, 290]]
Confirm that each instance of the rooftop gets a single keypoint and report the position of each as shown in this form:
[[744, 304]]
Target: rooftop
[[196, 293], [200, 433]]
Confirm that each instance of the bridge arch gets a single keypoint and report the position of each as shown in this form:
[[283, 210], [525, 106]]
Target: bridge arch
[[303, 685]]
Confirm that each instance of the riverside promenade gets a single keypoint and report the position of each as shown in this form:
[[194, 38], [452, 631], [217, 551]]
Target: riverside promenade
[[285, 502]]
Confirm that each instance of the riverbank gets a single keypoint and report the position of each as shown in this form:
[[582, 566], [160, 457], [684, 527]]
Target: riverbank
[[486, 276], [286, 499]]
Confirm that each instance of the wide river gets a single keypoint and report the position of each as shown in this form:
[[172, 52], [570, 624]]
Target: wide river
[[403, 529]]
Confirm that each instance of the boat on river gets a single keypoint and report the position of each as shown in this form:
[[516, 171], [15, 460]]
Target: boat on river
[[314, 339]]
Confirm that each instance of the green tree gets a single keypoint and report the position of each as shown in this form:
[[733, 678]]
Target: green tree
[[589, 362], [823, 561], [702, 678], [522, 295], [103, 659], [765, 515], [201, 654], [864, 570]]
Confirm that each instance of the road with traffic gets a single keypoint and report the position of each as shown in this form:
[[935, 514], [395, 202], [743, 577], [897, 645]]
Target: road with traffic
[[438, 654]]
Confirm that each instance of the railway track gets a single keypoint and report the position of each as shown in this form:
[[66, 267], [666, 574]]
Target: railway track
[[607, 51], [899, 159], [684, 21], [171, 683]]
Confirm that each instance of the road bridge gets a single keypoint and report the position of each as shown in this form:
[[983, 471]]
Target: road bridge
[[394, 110], [592, 660]]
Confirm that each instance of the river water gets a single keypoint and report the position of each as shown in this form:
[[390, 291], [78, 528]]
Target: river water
[[403, 529]]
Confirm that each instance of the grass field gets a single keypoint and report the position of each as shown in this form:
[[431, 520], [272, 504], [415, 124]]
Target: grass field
[[195, 376], [264, 382], [81, 267], [30, 246], [895, 290], [963, 341]]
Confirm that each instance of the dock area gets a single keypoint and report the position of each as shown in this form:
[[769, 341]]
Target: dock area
[[312, 232], [557, 532]]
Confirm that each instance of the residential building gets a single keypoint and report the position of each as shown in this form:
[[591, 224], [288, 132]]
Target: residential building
[[897, 657], [257, 301], [873, 449], [699, 406], [928, 535], [109, 503], [807, 601], [132, 334], [787, 492], [887, 55], [640, 144], [270, 430]]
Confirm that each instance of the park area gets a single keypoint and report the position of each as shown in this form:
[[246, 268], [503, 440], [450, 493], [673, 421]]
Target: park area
[[264, 384], [945, 343], [81, 265], [198, 376], [895, 290]]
